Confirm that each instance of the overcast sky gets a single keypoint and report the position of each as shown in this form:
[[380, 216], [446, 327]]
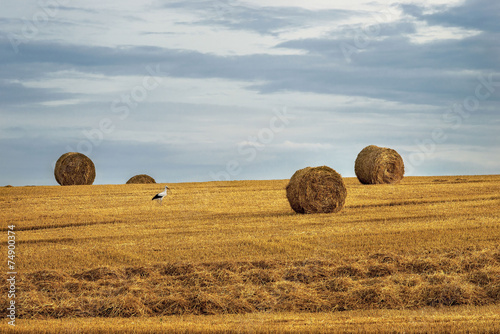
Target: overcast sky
[[214, 90]]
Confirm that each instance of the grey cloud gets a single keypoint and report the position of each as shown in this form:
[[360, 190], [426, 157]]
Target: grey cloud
[[375, 28], [393, 69], [17, 94], [412, 9], [397, 51], [263, 20], [77, 9], [472, 14]]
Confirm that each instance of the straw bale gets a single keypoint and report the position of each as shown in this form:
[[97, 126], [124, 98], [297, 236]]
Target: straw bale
[[74, 169], [316, 190], [141, 179], [377, 165]]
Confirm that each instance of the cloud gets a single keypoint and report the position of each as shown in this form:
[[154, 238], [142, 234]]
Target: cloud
[[77, 9], [260, 19], [392, 69], [472, 14], [305, 146], [15, 93]]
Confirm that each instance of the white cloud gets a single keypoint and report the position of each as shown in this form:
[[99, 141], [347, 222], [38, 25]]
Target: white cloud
[[426, 33], [289, 145]]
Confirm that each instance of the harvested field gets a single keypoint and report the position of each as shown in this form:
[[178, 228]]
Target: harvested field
[[456, 319], [377, 281], [220, 248]]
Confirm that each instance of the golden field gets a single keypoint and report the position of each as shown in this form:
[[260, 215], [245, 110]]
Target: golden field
[[422, 255]]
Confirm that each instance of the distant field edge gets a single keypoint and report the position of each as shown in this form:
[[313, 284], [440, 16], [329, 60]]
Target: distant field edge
[[452, 177], [457, 319]]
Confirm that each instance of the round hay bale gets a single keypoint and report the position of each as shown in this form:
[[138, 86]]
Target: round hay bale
[[376, 165], [141, 179], [316, 190], [74, 168]]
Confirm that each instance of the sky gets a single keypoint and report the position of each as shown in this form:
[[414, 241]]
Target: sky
[[194, 91]]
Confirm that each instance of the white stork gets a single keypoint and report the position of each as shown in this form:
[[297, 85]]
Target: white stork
[[160, 196]]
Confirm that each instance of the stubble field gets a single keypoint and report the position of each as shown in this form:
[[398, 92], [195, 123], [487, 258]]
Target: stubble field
[[421, 255]]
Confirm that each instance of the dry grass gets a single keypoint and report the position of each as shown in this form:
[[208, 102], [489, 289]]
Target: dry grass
[[316, 190], [224, 248], [376, 281]]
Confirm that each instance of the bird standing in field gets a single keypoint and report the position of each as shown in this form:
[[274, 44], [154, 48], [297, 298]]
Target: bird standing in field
[[160, 196]]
